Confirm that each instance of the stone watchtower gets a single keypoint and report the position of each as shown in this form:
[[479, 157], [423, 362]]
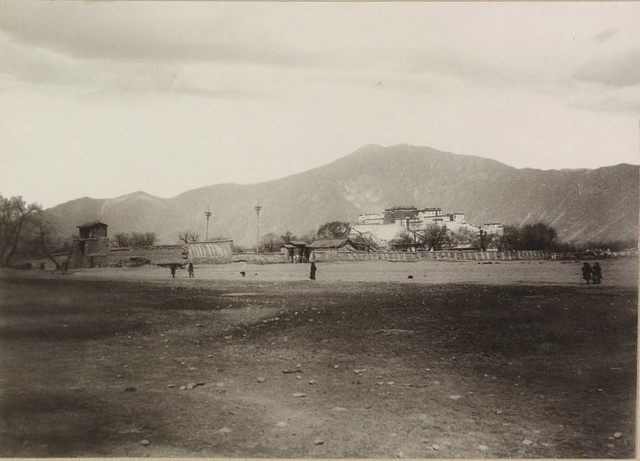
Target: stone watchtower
[[90, 249]]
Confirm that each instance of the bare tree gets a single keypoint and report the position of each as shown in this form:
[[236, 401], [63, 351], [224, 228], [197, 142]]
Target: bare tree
[[122, 239], [188, 237], [136, 239], [288, 236], [15, 216], [365, 240], [143, 239], [45, 239], [271, 243], [334, 230], [436, 237]]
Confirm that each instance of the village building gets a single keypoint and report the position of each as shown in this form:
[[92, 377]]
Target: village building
[[326, 249], [91, 247], [296, 251]]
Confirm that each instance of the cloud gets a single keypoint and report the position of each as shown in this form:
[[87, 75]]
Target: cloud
[[606, 34], [24, 66], [597, 97], [143, 31], [615, 70]]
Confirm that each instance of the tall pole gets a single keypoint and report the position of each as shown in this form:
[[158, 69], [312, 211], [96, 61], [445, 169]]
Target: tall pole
[[208, 215], [258, 208]]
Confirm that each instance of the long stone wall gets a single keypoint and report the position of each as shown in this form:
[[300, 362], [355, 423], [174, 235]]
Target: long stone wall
[[261, 258], [161, 254], [333, 255], [338, 255]]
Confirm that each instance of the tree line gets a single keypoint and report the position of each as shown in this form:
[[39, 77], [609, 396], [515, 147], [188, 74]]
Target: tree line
[[25, 230], [534, 237]]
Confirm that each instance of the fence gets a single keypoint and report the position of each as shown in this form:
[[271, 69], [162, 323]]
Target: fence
[[338, 255]]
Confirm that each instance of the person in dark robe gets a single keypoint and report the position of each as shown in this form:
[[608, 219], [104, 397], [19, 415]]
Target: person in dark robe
[[173, 270], [587, 272], [597, 273], [312, 274], [190, 269]]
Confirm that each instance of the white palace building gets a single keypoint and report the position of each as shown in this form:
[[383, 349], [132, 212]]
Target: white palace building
[[387, 225]]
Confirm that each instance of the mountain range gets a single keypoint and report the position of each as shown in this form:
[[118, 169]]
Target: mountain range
[[582, 205]]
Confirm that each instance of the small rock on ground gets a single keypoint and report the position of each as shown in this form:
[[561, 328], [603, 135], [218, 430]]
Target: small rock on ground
[[261, 379], [224, 430], [527, 442], [145, 443], [483, 447], [318, 442], [299, 395]]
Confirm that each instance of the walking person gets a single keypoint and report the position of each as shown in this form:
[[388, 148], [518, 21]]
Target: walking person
[[597, 273], [190, 269], [173, 270], [587, 272], [312, 274]]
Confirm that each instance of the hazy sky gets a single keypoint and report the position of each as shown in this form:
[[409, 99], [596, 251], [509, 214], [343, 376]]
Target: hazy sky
[[103, 99]]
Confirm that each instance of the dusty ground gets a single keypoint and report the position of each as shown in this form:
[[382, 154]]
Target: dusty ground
[[463, 360]]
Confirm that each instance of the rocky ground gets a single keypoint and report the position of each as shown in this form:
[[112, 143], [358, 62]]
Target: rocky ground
[[462, 360]]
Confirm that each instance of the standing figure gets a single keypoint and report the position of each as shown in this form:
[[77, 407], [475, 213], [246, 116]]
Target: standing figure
[[587, 271], [190, 269], [597, 273], [173, 270], [312, 275]]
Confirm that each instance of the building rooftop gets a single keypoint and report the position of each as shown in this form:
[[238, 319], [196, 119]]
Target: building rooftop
[[91, 224], [328, 243]]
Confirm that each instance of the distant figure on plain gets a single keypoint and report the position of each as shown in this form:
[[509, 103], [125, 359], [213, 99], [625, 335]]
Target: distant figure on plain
[[587, 271], [597, 273], [173, 270], [312, 274], [190, 269]]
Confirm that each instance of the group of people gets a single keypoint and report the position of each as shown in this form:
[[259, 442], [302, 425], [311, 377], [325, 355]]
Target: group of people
[[592, 274], [173, 268]]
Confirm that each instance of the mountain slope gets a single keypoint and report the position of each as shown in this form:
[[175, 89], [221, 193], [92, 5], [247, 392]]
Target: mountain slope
[[581, 204]]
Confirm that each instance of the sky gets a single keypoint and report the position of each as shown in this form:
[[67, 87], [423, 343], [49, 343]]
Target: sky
[[103, 99]]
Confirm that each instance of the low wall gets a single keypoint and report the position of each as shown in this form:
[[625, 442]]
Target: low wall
[[261, 258], [338, 255], [333, 255], [161, 254]]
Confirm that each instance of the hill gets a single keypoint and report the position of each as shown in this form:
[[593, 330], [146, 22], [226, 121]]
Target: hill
[[600, 204]]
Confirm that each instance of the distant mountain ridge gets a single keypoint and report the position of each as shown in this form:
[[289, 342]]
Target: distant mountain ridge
[[582, 204]]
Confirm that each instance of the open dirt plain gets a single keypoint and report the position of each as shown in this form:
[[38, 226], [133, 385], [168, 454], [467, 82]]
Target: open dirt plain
[[516, 359]]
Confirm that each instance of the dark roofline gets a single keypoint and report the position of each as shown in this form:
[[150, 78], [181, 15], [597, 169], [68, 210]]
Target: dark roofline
[[91, 224]]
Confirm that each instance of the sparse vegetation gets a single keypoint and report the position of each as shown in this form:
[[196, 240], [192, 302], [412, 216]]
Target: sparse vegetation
[[333, 230], [188, 237], [135, 239]]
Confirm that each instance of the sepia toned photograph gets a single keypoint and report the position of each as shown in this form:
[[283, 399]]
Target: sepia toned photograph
[[319, 230]]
